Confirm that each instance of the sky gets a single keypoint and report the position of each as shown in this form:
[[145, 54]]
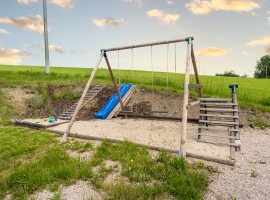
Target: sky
[[228, 34]]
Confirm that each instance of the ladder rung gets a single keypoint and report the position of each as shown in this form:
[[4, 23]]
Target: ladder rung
[[216, 135], [219, 104], [220, 129], [218, 122], [195, 86], [216, 99], [220, 143], [219, 110], [160, 111], [213, 115]]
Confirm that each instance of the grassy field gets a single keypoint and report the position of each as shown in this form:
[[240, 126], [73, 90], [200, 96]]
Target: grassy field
[[251, 92], [35, 160]]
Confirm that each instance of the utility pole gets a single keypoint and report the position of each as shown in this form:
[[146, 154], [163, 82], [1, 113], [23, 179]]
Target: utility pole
[[46, 43]]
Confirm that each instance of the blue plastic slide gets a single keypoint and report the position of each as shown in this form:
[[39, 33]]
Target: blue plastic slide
[[113, 101]]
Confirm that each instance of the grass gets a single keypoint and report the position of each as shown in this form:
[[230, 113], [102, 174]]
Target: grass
[[33, 160], [250, 92]]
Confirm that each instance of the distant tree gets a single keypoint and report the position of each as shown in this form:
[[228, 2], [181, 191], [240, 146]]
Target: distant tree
[[262, 67], [244, 76], [228, 73]]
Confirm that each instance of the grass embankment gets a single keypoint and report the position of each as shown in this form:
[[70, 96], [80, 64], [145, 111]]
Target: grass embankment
[[251, 92], [33, 160]]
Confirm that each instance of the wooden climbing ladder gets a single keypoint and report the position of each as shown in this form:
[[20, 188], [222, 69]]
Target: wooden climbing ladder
[[219, 122], [88, 97]]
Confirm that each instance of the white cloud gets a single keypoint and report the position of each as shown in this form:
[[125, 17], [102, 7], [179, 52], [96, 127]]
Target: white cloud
[[12, 56], [254, 14], [161, 15], [170, 2], [269, 19], [26, 1], [268, 12], [248, 54], [263, 41], [212, 51], [204, 7], [55, 48], [4, 31], [106, 22], [138, 2], [63, 3], [34, 23]]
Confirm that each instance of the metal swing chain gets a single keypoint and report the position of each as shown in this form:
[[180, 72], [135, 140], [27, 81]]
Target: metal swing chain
[[118, 70], [167, 77], [152, 80], [132, 65]]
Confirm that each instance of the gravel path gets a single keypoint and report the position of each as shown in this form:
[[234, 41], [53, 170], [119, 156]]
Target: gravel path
[[250, 177]]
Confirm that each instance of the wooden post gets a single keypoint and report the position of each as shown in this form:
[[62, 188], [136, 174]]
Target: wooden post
[[196, 71], [182, 151], [115, 85], [82, 97], [234, 100]]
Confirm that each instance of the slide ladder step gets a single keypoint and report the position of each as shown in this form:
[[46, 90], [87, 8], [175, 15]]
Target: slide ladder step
[[219, 143]]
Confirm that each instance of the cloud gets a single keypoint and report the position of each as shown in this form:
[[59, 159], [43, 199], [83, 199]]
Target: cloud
[[161, 15], [248, 54], [254, 14], [63, 3], [34, 23], [4, 31], [268, 12], [170, 2], [263, 41], [55, 48], [267, 50], [106, 22], [26, 1], [12, 56], [269, 19], [138, 2], [212, 51], [203, 7]]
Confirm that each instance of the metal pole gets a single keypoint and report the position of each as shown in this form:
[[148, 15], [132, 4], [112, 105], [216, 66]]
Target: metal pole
[[46, 46], [182, 151]]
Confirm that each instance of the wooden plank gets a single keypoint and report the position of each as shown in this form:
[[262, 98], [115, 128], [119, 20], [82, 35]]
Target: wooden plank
[[196, 71], [219, 110], [218, 122], [219, 104], [220, 129], [195, 103], [219, 143], [215, 99], [224, 116], [217, 135], [194, 86]]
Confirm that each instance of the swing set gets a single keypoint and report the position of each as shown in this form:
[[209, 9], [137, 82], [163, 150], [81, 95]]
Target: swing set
[[190, 58]]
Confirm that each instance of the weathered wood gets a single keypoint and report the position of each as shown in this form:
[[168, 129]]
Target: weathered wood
[[222, 116], [219, 143], [218, 122], [83, 95], [219, 104], [195, 86], [195, 70], [146, 44], [219, 129], [114, 83], [185, 100], [195, 103], [215, 99], [219, 110], [217, 135]]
